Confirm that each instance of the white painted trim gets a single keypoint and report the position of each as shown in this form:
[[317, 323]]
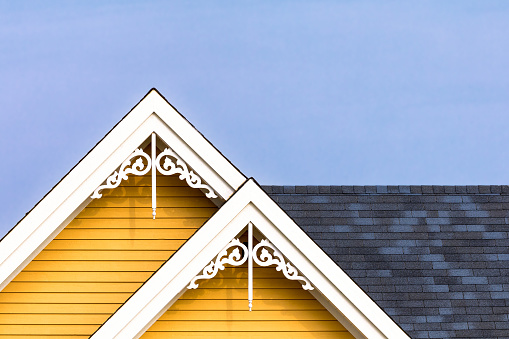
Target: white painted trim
[[51, 214], [251, 204]]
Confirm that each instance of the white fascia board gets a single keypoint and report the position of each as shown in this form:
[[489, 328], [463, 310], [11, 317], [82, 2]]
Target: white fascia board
[[250, 204], [195, 141], [72, 194], [193, 159], [323, 272]]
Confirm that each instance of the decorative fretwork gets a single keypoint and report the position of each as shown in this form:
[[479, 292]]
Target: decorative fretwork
[[174, 165], [167, 163], [269, 255], [139, 167], [234, 258], [266, 258]]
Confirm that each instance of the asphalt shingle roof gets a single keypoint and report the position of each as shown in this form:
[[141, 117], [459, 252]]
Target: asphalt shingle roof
[[434, 258]]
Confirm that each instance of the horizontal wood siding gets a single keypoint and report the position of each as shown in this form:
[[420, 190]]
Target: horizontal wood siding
[[96, 263], [219, 309]]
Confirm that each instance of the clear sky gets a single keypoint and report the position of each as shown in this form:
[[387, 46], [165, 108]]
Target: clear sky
[[292, 92]]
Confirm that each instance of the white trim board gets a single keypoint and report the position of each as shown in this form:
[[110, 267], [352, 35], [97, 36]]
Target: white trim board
[[152, 114], [346, 301]]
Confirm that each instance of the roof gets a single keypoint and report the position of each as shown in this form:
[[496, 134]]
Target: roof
[[434, 258], [242, 202]]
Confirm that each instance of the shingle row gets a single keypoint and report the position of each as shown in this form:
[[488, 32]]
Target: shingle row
[[389, 189]]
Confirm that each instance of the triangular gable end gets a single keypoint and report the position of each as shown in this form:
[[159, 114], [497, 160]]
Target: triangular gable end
[[153, 114], [251, 205]]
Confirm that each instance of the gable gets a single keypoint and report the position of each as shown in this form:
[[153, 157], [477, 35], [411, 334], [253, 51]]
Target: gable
[[219, 309], [215, 305], [152, 115], [101, 258]]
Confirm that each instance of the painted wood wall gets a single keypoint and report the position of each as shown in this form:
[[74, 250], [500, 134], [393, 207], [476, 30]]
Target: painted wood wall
[[102, 257], [219, 309]]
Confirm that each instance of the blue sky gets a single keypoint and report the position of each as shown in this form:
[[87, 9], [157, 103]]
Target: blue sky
[[292, 92]]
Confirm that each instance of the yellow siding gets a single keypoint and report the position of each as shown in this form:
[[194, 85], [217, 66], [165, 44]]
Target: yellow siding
[[95, 264], [219, 309]]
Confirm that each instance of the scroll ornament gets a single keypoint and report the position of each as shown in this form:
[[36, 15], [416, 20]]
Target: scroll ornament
[[234, 258], [267, 258], [171, 164], [139, 167], [174, 165]]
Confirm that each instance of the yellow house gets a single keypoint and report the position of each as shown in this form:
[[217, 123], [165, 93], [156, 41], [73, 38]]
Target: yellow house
[[155, 234]]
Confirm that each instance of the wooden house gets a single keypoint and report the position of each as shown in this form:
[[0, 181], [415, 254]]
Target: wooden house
[[155, 234]]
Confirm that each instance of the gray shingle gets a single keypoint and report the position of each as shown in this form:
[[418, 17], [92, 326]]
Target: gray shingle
[[435, 258]]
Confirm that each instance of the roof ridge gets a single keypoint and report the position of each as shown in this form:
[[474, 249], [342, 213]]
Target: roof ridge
[[388, 189]]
